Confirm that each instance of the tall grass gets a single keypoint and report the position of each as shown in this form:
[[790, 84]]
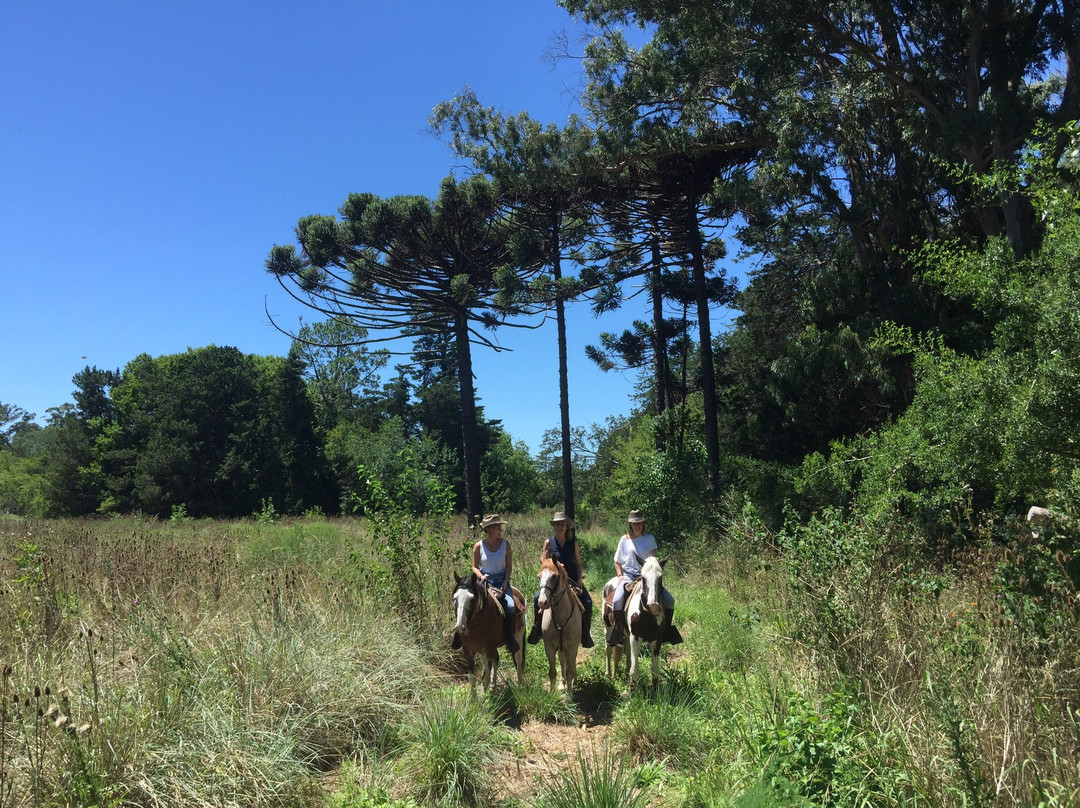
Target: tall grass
[[212, 663], [448, 746], [598, 780], [194, 663]]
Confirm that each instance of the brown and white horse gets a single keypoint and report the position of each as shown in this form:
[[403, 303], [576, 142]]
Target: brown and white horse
[[560, 622], [479, 626], [646, 618]]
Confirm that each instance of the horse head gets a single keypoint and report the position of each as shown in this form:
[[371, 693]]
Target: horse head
[[551, 576], [652, 584], [468, 598]]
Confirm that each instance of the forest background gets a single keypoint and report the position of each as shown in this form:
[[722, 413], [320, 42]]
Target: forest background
[[897, 175]]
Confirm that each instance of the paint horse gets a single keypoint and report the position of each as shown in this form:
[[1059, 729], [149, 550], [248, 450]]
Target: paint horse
[[646, 620], [560, 622], [479, 627]]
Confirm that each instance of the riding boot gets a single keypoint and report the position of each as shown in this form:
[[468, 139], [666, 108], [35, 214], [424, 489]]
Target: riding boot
[[586, 626], [508, 634], [671, 634], [535, 633], [617, 632]]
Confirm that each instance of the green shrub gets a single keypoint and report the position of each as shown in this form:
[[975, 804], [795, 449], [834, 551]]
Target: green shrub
[[448, 745], [602, 780]]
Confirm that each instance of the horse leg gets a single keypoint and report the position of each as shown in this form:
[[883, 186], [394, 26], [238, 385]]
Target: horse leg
[[569, 669], [551, 650], [518, 657], [655, 648], [470, 662], [635, 652]]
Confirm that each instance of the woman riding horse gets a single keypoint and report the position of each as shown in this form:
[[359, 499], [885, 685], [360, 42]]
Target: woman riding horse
[[493, 562], [630, 554], [563, 547]]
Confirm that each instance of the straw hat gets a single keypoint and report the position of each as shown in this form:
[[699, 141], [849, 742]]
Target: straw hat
[[635, 516], [560, 516], [491, 520]]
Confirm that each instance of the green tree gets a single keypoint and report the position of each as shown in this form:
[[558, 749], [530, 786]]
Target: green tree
[[546, 176], [406, 265], [342, 374], [14, 421], [851, 111], [997, 429], [214, 430]]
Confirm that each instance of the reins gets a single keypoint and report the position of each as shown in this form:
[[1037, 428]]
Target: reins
[[557, 594]]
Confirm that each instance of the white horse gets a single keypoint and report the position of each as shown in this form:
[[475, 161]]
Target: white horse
[[560, 623], [478, 626], [646, 618]]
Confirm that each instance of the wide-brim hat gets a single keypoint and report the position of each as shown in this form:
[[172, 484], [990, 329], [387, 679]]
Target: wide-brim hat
[[635, 516], [560, 516], [491, 520]]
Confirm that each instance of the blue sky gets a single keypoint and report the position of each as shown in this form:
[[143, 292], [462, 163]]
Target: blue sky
[[151, 153]]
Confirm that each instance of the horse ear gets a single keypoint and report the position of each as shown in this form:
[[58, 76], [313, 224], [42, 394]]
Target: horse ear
[[457, 578], [663, 561]]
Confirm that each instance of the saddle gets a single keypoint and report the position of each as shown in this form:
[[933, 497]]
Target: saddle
[[628, 588], [519, 600]]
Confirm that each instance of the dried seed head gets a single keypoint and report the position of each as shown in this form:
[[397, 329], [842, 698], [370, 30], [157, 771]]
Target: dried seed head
[[7, 668], [60, 721], [37, 692]]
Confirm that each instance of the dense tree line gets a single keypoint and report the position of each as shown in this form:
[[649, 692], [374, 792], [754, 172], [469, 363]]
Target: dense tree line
[[215, 432]]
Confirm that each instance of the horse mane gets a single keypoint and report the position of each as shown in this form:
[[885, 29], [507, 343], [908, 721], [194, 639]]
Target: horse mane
[[473, 584], [551, 564], [652, 561]]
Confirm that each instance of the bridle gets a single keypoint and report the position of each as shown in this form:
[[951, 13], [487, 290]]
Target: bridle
[[557, 587], [479, 593]]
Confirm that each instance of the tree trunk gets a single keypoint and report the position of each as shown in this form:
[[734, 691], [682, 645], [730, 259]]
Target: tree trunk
[[564, 384], [660, 366], [708, 375], [470, 449]]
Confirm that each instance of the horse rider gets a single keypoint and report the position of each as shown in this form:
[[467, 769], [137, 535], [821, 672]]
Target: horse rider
[[563, 547], [493, 562], [634, 547]]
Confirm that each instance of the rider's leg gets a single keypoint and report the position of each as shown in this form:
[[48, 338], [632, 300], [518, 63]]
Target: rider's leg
[[535, 633], [618, 600], [508, 624], [671, 634], [586, 619]]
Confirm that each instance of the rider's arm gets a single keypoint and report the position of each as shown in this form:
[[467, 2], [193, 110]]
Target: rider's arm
[[509, 568], [476, 562], [618, 563]]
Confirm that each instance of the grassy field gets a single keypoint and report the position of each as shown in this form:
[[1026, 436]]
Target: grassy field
[[297, 663]]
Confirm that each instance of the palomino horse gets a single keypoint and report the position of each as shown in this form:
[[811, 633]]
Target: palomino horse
[[646, 618], [560, 623], [479, 625]]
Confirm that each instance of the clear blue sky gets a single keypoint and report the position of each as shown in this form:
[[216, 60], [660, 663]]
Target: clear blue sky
[[151, 153]]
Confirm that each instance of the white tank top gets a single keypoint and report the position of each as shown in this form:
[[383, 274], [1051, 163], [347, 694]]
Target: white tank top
[[493, 562]]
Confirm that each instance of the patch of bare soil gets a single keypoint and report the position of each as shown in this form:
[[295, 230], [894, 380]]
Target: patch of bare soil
[[544, 751]]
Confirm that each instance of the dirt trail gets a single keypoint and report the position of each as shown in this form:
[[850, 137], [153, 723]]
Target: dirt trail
[[546, 749]]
